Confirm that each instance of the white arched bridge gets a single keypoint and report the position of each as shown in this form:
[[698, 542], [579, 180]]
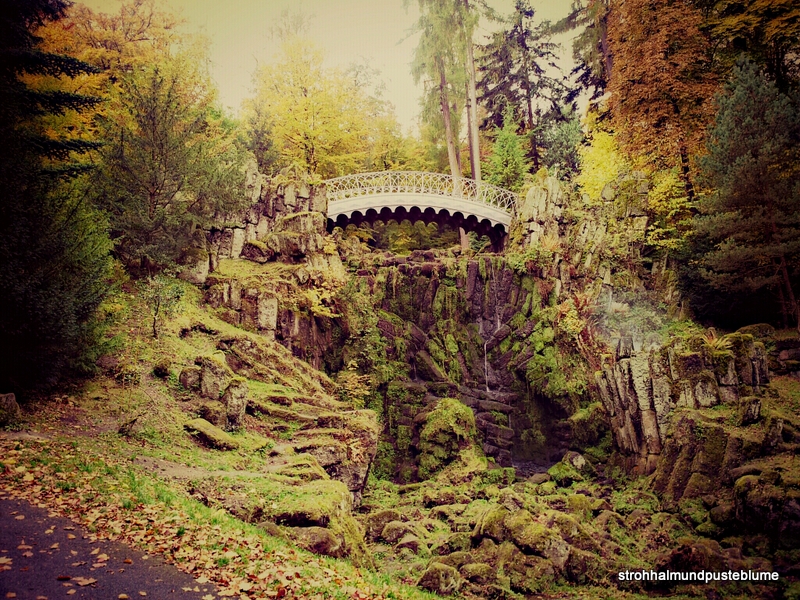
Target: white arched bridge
[[431, 197]]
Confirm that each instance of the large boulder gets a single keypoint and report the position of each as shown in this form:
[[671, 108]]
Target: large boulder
[[318, 540], [211, 434], [215, 375], [448, 428], [440, 579], [9, 409], [235, 401], [190, 378]]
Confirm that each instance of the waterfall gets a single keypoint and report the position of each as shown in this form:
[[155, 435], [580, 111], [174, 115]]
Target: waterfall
[[485, 366]]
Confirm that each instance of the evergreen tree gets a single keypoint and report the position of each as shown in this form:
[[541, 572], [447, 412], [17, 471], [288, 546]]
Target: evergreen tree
[[749, 230], [439, 64], [507, 164], [560, 140], [169, 164], [590, 48], [53, 245], [513, 67]]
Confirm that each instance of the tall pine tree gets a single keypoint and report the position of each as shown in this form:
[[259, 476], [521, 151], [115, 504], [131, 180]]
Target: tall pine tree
[[53, 245], [507, 164], [749, 229]]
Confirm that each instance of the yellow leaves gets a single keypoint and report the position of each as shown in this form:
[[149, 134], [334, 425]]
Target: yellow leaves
[[601, 163], [6, 563], [320, 119], [250, 570]]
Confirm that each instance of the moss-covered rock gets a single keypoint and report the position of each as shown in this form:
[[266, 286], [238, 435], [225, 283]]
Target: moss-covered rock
[[440, 579], [587, 426], [376, 521], [215, 375], [318, 540], [190, 378], [749, 410], [526, 574], [564, 473], [235, 401], [479, 573], [393, 531], [448, 428], [529, 536], [214, 412], [211, 434], [411, 542], [491, 525]]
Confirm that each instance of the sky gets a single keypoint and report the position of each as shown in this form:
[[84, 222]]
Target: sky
[[375, 31]]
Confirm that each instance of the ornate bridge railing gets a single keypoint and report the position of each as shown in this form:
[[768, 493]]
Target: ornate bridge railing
[[418, 182]]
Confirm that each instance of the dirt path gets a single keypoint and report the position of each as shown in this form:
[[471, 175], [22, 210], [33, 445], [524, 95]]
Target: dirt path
[[50, 557]]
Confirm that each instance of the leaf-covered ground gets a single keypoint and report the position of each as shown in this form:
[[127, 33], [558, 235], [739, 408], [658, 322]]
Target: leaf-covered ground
[[105, 493]]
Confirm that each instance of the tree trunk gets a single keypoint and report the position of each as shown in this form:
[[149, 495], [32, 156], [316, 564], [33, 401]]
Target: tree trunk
[[472, 105], [452, 149], [787, 282], [784, 311], [685, 172], [474, 155]]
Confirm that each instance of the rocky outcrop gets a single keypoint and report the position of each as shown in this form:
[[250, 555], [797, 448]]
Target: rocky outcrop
[[642, 388]]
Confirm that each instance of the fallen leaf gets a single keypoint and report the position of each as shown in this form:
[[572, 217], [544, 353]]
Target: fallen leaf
[[27, 554], [84, 581], [128, 561], [70, 536], [11, 595], [18, 518], [41, 597], [202, 579], [207, 597], [70, 592], [54, 546], [123, 597], [143, 593], [102, 558], [95, 551]]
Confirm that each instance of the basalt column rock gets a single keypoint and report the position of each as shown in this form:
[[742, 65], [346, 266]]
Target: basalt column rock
[[641, 389]]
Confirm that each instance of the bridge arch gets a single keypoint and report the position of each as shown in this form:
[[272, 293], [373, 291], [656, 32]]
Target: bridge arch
[[419, 196]]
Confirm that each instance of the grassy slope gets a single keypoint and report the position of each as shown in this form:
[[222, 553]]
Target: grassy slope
[[77, 465]]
